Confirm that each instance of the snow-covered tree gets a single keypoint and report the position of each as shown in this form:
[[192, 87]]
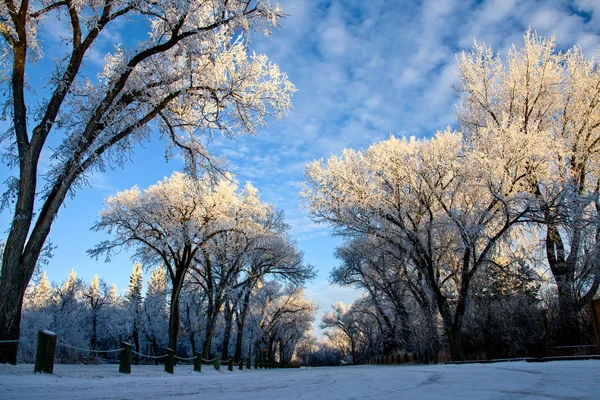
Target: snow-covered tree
[[134, 298], [192, 75], [177, 222], [549, 102], [97, 298], [285, 317], [156, 314]]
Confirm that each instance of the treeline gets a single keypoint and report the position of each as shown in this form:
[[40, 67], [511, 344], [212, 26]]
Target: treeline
[[460, 241], [227, 278], [94, 316]]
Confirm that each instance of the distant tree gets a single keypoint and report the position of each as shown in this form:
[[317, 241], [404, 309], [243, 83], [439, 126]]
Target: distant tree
[[69, 316], [97, 297], [135, 298], [191, 76], [285, 317], [43, 293], [155, 313]]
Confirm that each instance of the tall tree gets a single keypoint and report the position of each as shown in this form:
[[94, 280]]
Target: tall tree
[[437, 200], [191, 76], [540, 96]]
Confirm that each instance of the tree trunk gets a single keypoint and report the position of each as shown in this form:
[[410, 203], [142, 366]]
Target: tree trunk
[[227, 334], [12, 290], [136, 341], [454, 340], [241, 322], [281, 352], [569, 333], [155, 350], [193, 342], [174, 317], [563, 270], [211, 323], [10, 320], [94, 338]]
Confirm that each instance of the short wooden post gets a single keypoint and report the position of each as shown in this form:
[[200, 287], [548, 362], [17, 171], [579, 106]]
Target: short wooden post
[[241, 364], [595, 310], [230, 364], [218, 363], [249, 363], [125, 358], [170, 361], [44, 355], [197, 362]]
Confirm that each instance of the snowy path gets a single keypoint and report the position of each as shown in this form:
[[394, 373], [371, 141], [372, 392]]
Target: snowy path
[[518, 380]]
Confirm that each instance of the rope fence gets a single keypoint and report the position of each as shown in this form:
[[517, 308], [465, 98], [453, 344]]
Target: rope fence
[[47, 343], [88, 350], [148, 356], [186, 358]]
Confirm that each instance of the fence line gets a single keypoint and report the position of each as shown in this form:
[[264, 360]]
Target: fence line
[[186, 358], [88, 350], [10, 341], [147, 356]]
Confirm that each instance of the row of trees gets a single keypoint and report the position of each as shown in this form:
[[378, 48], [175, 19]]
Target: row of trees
[[214, 240], [439, 231], [94, 316]]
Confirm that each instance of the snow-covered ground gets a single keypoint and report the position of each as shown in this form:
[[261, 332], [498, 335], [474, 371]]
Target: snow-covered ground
[[516, 380]]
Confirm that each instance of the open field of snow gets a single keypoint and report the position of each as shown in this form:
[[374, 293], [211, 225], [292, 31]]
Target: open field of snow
[[517, 380]]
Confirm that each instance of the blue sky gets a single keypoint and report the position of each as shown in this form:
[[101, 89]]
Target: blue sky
[[363, 70]]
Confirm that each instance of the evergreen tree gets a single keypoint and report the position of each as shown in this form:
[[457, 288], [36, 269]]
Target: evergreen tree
[[134, 298]]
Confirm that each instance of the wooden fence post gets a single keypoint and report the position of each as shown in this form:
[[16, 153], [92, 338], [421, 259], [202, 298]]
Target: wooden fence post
[[170, 361], [595, 309], [125, 358], [249, 363], [218, 363], [197, 362], [241, 364], [230, 364], [44, 355]]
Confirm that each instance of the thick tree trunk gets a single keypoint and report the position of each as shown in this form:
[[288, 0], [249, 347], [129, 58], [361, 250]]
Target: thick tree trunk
[[563, 270], [174, 315], [12, 290], [569, 332]]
